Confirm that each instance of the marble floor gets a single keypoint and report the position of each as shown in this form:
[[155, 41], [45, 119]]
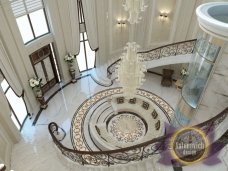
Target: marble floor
[[36, 152]]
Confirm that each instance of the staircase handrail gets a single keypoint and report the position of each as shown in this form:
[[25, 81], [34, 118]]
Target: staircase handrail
[[174, 49], [132, 153]]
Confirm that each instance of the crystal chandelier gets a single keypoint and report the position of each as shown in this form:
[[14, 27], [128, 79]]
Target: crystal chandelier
[[130, 71], [134, 7]]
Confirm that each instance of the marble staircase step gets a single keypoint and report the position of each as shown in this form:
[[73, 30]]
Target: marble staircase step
[[141, 166], [149, 165], [87, 121], [132, 167], [106, 114], [102, 108]]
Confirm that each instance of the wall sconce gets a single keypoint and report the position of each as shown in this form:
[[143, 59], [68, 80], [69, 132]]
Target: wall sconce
[[121, 23], [163, 16]]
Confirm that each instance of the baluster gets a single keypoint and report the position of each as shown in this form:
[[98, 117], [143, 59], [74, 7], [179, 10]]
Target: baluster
[[176, 48], [209, 127], [160, 56], [193, 46], [142, 152], [108, 161], [83, 163], [163, 146]]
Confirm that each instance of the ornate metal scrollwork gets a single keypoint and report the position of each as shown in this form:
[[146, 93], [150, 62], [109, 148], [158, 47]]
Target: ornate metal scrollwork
[[133, 153], [180, 48]]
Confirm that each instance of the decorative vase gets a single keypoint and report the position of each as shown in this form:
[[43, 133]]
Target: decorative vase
[[71, 66], [39, 96], [38, 92], [43, 103], [72, 71]]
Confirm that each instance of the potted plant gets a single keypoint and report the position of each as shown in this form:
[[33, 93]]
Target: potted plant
[[35, 84], [183, 73], [69, 58]]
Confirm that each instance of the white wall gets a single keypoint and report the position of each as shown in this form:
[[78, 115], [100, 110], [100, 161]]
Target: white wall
[[150, 32]]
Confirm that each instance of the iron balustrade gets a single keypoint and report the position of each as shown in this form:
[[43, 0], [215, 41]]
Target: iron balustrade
[[134, 153], [174, 49]]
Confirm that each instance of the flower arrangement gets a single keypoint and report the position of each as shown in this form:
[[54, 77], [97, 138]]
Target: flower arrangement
[[183, 72], [35, 82], [69, 58]]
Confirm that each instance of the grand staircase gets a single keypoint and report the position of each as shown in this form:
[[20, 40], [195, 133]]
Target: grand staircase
[[144, 156]]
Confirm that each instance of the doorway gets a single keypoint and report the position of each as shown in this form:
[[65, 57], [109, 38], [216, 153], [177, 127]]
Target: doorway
[[45, 67]]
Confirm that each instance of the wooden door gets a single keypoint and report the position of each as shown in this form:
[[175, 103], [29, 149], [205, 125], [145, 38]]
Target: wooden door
[[44, 67]]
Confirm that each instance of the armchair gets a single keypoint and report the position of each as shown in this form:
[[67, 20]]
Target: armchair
[[167, 77]]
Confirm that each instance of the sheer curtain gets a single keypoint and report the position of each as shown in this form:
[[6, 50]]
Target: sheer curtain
[[8, 71], [69, 18], [1, 77], [5, 119], [89, 10]]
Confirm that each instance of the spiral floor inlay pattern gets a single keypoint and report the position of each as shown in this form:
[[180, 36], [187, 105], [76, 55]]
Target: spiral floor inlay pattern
[[78, 118]]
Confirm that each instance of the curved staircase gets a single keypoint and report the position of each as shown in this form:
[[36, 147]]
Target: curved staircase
[[142, 156], [131, 158]]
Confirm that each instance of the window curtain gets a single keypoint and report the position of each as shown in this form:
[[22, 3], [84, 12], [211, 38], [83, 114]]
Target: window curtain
[[1, 77], [89, 10], [69, 18], [5, 119], [8, 71]]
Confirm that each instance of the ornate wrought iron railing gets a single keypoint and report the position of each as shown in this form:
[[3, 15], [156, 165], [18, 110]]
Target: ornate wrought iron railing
[[133, 153], [179, 48]]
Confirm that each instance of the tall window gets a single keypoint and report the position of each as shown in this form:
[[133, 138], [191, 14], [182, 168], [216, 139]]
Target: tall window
[[16, 104], [31, 18], [86, 57]]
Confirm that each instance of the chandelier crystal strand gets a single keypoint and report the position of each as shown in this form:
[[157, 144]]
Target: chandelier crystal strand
[[130, 71], [134, 7]]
